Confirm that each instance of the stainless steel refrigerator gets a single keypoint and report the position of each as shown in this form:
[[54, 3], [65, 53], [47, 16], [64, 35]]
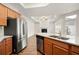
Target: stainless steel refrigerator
[[18, 29]]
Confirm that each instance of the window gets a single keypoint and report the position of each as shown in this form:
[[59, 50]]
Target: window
[[70, 25], [58, 27]]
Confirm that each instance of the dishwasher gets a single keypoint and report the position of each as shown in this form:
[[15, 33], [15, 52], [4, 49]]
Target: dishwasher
[[40, 43]]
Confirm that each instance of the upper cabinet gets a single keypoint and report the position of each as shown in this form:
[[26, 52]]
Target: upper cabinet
[[12, 14], [3, 15], [6, 12]]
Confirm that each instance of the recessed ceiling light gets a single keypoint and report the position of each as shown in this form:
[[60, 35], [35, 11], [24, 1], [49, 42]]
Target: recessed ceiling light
[[34, 5]]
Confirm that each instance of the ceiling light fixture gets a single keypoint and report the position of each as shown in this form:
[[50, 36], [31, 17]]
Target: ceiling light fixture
[[33, 5], [71, 17]]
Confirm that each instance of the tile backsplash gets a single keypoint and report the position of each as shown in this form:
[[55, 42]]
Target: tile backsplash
[[1, 31]]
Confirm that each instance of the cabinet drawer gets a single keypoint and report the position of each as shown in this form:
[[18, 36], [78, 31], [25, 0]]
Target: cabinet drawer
[[61, 44], [75, 49]]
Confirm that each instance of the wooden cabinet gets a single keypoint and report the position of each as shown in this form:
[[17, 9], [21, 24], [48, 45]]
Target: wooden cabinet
[[3, 15], [57, 50], [73, 53], [74, 49], [12, 14], [6, 12], [2, 47], [61, 44], [47, 46], [53, 47], [6, 46]]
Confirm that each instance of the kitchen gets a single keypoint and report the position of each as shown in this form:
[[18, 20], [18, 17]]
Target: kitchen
[[39, 29]]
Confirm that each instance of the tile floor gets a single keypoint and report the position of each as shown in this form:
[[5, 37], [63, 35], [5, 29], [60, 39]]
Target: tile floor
[[31, 48]]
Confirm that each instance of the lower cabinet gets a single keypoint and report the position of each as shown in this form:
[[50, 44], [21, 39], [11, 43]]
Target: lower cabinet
[[47, 47], [52, 49], [55, 47], [73, 53], [2, 47], [74, 50], [57, 50], [6, 46]]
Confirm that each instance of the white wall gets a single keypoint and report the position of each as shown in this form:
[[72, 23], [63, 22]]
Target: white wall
[[51, 28], [1, 31], [30, 27], [77, 28], [49, 24], [37, 27], [44, 22]]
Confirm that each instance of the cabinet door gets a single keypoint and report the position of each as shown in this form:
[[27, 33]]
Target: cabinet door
[[11, 13], [75, 49], [47, 46], [8, 47], [2, 47], [59, 51], [3, 15]]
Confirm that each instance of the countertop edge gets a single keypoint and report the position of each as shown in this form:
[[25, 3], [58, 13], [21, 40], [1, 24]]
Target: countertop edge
[[4, 37], [64, 41]]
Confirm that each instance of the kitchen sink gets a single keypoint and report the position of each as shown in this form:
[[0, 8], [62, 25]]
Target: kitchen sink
[[63, 38], [59, 37], [54, 36]]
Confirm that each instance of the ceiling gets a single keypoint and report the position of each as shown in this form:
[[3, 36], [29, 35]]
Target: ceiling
[[37, 11], [49, 9]]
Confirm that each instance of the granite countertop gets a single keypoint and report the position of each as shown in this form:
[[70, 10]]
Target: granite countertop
[[71, 40], [3, 37]]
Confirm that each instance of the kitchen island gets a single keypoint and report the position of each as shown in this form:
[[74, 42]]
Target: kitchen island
[[58, 46]]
